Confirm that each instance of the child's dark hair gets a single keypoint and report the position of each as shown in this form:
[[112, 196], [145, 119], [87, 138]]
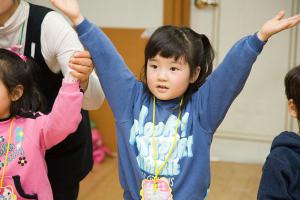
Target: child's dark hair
[[181, 42], [15, 71], [292, 87]]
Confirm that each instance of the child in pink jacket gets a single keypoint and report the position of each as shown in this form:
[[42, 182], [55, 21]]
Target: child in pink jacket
[[25, 134]]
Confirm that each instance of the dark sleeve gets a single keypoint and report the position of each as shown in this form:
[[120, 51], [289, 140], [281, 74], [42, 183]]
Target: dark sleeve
[[274, 182]]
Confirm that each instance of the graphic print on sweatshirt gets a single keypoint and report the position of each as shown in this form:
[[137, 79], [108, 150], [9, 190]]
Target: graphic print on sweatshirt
[[15, 148], [141, 136]]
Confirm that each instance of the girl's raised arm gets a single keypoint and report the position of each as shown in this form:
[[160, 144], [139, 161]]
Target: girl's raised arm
[[226, 82], [119, 84]]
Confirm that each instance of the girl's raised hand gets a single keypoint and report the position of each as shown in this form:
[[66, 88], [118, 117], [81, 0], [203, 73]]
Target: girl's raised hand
[[276, 25], [70, 8]]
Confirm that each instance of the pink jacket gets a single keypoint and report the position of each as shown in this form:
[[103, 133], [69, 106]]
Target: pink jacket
[[26, 171]]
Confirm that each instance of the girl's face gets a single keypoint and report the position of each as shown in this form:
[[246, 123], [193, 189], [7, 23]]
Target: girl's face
[[5, 101], [7, 8], [166, 78]]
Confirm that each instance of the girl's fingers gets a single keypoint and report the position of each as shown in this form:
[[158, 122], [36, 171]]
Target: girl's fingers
[[80, 72], [279, 15], [295, 20], [80, 76], [82, 58], [81, 68], [82, 61]]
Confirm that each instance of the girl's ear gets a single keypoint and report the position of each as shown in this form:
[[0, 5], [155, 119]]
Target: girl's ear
[[17, 93], [292, 108], [195, 74]]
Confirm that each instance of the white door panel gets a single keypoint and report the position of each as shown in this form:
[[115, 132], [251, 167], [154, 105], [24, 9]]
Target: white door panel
[[202, 21]]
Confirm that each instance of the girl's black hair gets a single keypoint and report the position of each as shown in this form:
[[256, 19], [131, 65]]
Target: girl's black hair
[[181, 42], [292, 87], [15, 71]]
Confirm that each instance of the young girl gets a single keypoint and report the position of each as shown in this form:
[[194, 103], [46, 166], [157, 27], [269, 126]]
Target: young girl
[[25, 134], [165, 124], [48, 38]]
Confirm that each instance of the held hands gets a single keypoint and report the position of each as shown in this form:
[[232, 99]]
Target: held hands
[[82, 66], [276, 25], [70, 8]]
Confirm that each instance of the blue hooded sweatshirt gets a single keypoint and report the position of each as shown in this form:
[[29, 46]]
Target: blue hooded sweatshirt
[[188, 169], [281, 172]]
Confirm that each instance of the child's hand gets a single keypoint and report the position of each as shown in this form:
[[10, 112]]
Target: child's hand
[[82, 66], [276, 25], [70, 8]]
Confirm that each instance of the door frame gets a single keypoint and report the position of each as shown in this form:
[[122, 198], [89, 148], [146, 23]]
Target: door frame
[[177, 12]]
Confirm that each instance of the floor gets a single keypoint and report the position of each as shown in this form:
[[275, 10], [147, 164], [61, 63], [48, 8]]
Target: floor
[[230, 181]]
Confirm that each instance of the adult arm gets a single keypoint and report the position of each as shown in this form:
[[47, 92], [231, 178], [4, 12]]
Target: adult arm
[[59, 42]]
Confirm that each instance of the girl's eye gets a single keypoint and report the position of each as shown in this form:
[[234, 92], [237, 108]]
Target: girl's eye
[[153, 66], [173, 68]]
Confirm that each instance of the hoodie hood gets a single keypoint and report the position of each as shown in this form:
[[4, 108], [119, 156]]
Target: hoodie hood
[[287, 139]]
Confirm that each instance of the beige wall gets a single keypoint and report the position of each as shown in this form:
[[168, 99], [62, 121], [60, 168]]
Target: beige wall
[[120, 13]]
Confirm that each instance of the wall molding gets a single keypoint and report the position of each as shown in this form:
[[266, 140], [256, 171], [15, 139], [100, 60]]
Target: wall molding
[[250, 137]]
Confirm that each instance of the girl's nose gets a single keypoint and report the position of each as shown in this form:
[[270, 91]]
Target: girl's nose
[[162, 75]]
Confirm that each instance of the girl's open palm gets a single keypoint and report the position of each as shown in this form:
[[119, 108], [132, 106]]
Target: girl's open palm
[[277, 24], [70, 8]]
